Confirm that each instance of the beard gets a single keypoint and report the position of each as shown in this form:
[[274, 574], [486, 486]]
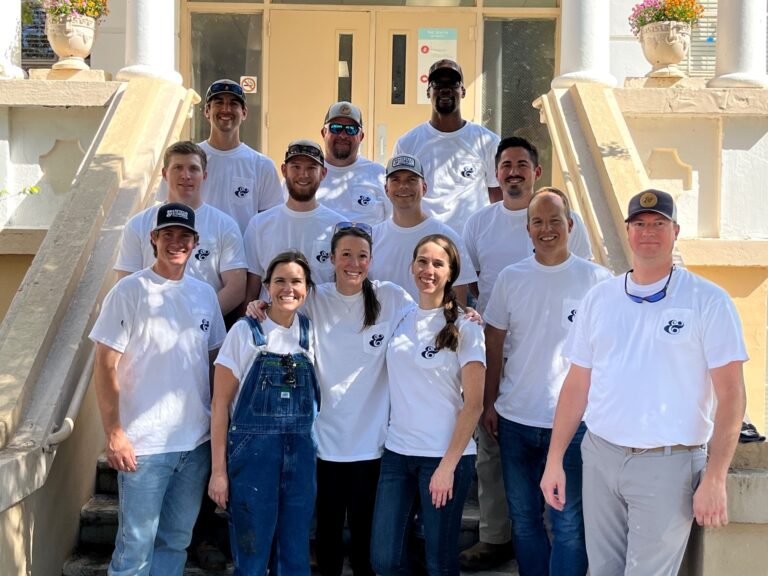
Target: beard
[[342, 150], [302, 193], [445, 106]]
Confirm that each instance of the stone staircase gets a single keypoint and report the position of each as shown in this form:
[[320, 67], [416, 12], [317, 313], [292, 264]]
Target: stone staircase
[[98, 526]]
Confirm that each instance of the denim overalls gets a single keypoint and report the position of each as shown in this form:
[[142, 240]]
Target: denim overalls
[[271, 461]]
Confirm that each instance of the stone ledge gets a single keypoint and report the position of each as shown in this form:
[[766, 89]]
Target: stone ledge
[[21, 240], [691, 99], [69, 75], [73, 93], [751, 456], [728, 253], [747, 496]]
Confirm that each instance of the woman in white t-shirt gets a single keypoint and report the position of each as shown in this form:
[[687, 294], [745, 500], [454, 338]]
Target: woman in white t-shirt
[[436, 373], [353, 319], [264, 404]]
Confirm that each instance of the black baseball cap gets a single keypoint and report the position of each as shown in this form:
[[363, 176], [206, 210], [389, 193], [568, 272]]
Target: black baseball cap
[[306, 148], [446, 65], [652, 200], [225, 86], [175, 214]]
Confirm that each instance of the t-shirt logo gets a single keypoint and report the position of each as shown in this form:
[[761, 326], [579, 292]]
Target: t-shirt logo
[[468, 172], [429, 352], [376, 340], [364, 200], [323, 256], [572, 315], [204, 325], [674, 327], [202, 254], [241, 191]]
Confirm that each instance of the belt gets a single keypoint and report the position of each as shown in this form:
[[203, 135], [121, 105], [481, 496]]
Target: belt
[[665, 449]]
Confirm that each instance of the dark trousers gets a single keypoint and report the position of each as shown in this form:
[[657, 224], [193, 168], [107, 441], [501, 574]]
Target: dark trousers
[[345, 490]]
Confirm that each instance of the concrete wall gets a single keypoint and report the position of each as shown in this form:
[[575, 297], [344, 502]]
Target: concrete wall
[[39, 533], [14, 266], [626, 55]]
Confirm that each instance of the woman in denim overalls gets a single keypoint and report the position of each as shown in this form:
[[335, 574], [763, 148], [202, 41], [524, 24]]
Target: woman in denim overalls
[[263, 455]]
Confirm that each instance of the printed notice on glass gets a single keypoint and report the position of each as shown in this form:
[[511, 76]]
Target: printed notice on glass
[[434, 44]]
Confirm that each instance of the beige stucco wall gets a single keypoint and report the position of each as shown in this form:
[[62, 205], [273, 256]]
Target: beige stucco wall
[[40, 532], [13, 267]]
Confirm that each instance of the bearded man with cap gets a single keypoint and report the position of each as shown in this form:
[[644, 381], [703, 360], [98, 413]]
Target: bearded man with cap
[[302, 223], [353, 186], [457, 155], [241, 181], [650, 352], [156, 334]]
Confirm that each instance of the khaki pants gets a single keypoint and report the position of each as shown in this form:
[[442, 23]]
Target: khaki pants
[[495, 527]]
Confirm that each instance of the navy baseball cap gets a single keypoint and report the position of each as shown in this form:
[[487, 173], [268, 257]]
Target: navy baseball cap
[[652, 200], [446, 65], [225, 86], [175, 214]]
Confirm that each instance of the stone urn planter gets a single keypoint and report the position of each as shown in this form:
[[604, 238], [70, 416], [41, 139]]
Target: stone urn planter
[[71, 38], [665, 45]]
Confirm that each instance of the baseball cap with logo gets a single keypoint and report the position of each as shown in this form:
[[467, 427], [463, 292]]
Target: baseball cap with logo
[[225, 86], [404, 162], [446, 65], [175, 214], [652, 201], [344, 109], [305, 148]]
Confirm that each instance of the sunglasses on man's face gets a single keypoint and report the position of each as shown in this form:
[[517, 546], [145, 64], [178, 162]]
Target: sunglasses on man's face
[[226, 87], [350, 129]]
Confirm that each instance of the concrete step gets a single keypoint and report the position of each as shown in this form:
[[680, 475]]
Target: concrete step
[[98, 521], [106, 477], [97, 564]]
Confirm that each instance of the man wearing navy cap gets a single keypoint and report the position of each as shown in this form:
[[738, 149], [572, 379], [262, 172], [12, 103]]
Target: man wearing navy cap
[[241, 181], [650, 352], [457, 155], [157, 332]]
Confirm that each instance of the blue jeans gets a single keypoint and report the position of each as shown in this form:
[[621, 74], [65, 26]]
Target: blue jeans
[[523, 457], [403, 483], [271, 462], [159, 503]]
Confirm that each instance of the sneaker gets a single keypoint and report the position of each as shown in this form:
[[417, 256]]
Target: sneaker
[[750, 434], [483, 556], [209, 557]]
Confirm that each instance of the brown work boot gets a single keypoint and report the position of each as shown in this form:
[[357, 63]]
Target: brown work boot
[[484, 556]]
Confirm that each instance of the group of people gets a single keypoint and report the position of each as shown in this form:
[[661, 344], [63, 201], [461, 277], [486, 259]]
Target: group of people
[[351, 390]]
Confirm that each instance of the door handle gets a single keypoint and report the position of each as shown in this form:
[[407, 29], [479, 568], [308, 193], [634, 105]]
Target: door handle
[[381, 152]]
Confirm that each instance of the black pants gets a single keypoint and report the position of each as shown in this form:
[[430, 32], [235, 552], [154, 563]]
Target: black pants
[[345, 490]]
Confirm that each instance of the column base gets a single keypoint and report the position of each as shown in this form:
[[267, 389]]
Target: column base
[[583, 76], [739, 80], [145, 71]]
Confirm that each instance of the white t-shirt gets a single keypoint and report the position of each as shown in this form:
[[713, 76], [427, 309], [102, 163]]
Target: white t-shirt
[[280, 228], [459, 167], [355, 191], [425, 385], [352, 423], [393, 251], [650, 363], [220, 248], [241, 182], [536, 305], [164, 330], [496, 237], [239, 349]]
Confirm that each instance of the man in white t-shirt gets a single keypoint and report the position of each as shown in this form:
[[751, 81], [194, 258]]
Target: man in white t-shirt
[[497, 236], [395, 238], [650, 352], [353, 186], [241, 182], [533, 306], [218, 257], [155, 337], [302, 223], [457, 155]]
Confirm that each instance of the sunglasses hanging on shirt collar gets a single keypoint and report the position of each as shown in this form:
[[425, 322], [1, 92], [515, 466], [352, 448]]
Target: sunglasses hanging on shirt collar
[[656, 297]]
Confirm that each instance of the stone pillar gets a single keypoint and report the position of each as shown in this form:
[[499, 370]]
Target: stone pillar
[[740, 45], [150, 40], [584, 43], [10, 40]]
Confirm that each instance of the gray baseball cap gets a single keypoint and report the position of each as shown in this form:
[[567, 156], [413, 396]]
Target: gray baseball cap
[[344, 109], [404, 162]]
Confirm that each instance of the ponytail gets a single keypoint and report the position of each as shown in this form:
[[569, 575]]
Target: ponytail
[[448, 337], [371, 304]]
